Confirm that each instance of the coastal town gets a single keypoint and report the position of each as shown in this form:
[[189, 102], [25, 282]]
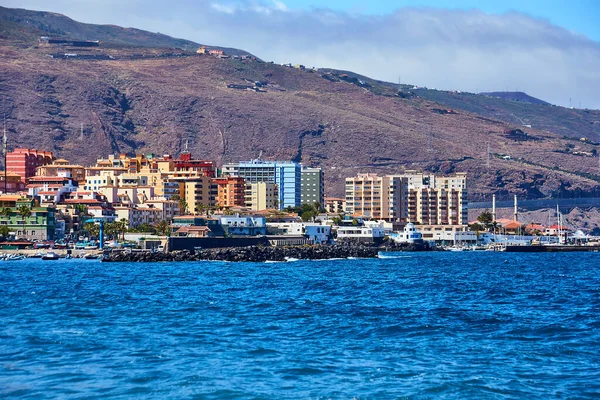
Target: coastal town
[[162, 202]]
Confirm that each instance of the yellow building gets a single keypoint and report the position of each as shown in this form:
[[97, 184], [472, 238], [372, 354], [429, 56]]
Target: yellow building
[[335, 205], [262, 196], [198, 193]]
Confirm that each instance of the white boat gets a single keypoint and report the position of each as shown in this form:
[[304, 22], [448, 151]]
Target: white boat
[[410, 234], [453, 248], [50, 256]]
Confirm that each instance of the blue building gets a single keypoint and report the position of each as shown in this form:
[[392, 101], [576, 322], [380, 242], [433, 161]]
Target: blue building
[[286, 174]]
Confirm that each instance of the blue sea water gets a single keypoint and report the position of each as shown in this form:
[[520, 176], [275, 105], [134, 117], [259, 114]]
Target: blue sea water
[[424, 326]]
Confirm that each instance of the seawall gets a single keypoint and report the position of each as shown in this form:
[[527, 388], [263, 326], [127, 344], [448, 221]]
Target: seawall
[[249, 254]]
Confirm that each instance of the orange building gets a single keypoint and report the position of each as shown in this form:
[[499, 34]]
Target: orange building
[[77, 172], [24, 162], [231, 191], [13, 182]]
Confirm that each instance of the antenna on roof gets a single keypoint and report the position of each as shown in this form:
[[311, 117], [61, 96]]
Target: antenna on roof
[[187, 142]]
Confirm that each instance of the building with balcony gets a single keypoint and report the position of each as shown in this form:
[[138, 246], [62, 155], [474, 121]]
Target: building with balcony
[[14, 183], [376, 197], [242, 225], [24, 162], [312, 186], [262, 196], [287, 175], [60, 167], [199, 193], [38, 225], [335, 205], [231, 191], [423, 199]]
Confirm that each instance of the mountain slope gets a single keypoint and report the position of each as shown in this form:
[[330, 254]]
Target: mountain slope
[[573, 123], [19, 24], [149, 100], [515, 96]]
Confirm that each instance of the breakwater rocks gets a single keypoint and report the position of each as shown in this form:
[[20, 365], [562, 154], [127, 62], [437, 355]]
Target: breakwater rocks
[[251, 254]]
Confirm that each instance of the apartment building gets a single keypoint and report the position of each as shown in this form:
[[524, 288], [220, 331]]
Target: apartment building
[[198, 193], [423, 199], [287, 175], [24, 162], [312, 186], [437, 200], [61, 166], [377, 197], [262, 196], [231, 191], [335, 205]]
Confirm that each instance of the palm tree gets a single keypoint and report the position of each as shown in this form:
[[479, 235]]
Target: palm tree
[[25, 212], [92, 229], [123, 224], [110, 229], [163, 228]]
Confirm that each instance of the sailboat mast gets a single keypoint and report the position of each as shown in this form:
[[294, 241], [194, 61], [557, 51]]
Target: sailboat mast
[[558, 223]]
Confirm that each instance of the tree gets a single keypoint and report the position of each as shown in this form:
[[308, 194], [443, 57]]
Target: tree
[[4, 231], [163, 228], [307, 216], [486, 219], [183, 205], [25, 212], [6, 212], [92, 229], [122, 226], [477, 228], [110, 229], [318, 208], [80, 209]]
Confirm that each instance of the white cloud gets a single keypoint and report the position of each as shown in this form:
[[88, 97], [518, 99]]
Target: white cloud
[[446, 49], [227, 9]]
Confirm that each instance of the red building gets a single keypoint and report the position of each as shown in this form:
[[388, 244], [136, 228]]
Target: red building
[[185, 163], [24, 162]]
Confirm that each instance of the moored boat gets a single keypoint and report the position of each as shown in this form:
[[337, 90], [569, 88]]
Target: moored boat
[[50, 256]]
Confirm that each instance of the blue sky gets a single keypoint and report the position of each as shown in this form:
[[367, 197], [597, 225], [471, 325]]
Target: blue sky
[[579, 16]]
